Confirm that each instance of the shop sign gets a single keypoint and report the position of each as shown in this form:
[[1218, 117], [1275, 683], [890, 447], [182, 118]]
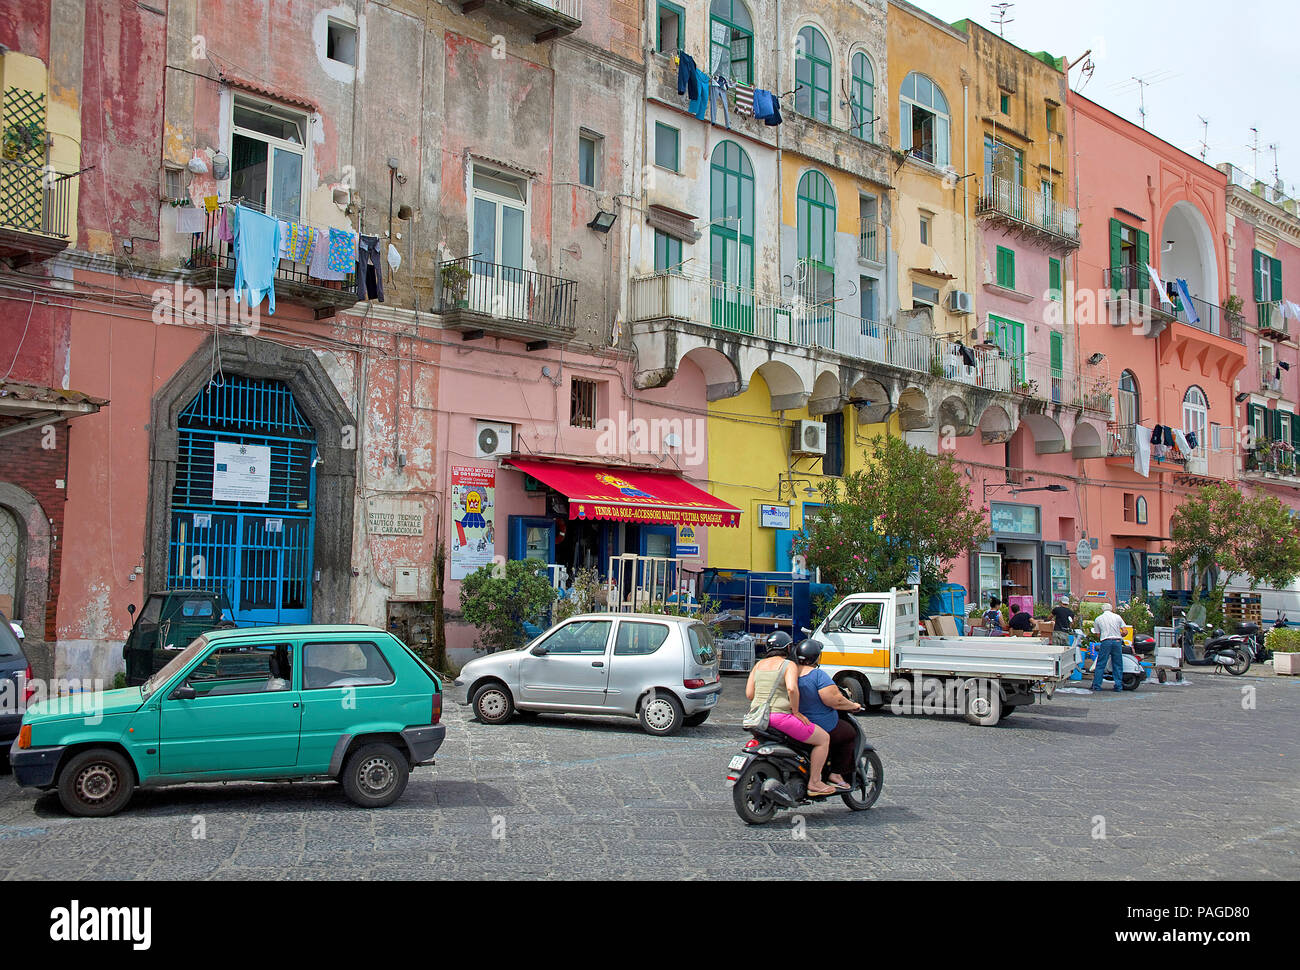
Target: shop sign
[[1159, 573], [389, 517], [688, 542], [774, 516], [1014, 519], [1083, 553], [473, 512]]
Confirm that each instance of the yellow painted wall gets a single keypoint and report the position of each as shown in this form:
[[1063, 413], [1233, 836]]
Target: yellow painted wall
[[917, 43], [749, 453], [62, 119], [847, 190]]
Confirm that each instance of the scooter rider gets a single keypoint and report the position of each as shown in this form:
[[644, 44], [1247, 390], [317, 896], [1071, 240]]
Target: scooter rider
[[821, 701], [775, 677]]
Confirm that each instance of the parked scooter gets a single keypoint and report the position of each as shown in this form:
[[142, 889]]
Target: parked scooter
[[1231, 653], [771, 773]]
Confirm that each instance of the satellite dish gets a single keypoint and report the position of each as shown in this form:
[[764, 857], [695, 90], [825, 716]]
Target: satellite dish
[[488, 441]]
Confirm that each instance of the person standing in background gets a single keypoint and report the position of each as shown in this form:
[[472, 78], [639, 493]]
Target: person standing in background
[[1109, 628], [1065, 619]]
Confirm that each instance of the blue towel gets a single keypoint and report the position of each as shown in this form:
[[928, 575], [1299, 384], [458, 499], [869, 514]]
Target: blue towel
[[699, 106], [257, 254], [762, 103], [1188, 306]]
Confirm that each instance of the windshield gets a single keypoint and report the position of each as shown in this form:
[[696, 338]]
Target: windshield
[[9, 645], [179, 661]]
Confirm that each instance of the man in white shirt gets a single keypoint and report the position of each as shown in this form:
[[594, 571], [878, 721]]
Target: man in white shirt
[[1109, 628]]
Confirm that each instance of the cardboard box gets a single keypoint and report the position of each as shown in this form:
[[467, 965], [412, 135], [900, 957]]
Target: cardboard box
[[945, 625], [1045, 627]]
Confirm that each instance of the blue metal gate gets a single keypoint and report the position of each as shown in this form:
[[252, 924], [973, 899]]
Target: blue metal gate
[[259, 553]]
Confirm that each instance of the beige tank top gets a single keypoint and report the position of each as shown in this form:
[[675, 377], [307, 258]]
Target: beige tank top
[[763, 681]]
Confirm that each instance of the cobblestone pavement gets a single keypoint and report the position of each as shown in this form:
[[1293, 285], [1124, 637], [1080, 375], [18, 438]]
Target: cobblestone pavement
[[1188, 782]]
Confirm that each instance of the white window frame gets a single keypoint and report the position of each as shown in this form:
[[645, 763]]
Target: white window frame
[[238, 100], [1196, 417], [474, 192]]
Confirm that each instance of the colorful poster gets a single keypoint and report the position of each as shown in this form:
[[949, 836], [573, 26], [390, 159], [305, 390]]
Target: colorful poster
[[473, 503], [688, 541]]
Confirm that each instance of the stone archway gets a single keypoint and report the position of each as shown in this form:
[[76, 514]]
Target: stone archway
[[32, 587], [336, 445]]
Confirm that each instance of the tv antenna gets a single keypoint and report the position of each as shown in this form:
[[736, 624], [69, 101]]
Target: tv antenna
[[1142, 84], [1254, 149], [1277, 180], [1000, 11], [1205, 138]]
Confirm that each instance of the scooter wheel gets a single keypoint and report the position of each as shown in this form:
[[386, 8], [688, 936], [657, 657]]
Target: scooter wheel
[[1240, 664], [867, 782], [1132, 681], [752, 805]]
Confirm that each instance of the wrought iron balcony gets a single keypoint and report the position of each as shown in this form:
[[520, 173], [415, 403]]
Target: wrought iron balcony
[[545, 19], [868, 247], [1272, 459], [1022, 209], [212, 263], [36, 217], [1270, 321], [482, 298], [1133, 283]]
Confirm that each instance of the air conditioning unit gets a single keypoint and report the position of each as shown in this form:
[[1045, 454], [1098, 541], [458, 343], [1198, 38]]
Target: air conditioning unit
[[493, 440], [809, 438], [959, 301]]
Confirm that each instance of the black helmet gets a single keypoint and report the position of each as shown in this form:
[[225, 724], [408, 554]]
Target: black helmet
[[808, 652], [779, 643]]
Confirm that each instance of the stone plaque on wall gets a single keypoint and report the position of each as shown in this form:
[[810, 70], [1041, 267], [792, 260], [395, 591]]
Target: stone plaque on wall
[[390, 517]]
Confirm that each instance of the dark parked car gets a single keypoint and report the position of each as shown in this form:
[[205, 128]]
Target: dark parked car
[[169, 622], [14, 674]]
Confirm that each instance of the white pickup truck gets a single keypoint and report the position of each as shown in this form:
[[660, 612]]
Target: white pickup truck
[[874, 650]]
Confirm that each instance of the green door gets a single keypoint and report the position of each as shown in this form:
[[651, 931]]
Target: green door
[[1009, 335], [246, 715]]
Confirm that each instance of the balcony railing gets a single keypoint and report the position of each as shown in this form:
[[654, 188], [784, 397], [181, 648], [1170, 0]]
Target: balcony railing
[[1273, 460], [212, 255], [867, 246], [1269, 319], [1000, 197], [545, 18], [1204, 316], [489, 295], [699, 300], [35, 199]]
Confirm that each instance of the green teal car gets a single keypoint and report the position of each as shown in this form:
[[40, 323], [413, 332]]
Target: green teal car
[[293, 703]]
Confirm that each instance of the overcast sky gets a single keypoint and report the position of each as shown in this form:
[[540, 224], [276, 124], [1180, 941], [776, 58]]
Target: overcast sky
[[1234, 64]]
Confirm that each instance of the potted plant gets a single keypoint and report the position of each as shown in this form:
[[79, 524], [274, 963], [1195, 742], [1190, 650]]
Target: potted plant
[[20, 138], [1285, 644], [455, 283]]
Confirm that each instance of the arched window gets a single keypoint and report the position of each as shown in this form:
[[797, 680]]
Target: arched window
[[862, 98], [812, 75], [815, 220], [1129, 411], [731, 237], [1196, 417], [731, 40], [924, 121]]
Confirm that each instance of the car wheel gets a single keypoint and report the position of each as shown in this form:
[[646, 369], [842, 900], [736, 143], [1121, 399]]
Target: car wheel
[[96, 783], [661, 714], [375, 775], [695, 720], [493, 704]]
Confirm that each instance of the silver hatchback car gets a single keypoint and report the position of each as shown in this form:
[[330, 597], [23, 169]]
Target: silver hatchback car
[[660, 669]]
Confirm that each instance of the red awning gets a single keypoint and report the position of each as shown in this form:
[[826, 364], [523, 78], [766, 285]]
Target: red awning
[[629, 495]]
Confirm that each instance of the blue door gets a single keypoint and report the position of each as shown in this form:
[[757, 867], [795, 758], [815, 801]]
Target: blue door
[[1130, 574], [246, 530]]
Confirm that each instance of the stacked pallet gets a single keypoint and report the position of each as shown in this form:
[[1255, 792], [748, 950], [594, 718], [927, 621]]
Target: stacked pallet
[[1242, 608]]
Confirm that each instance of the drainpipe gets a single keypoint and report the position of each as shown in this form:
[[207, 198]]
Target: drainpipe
[[965, 183], [780, 188]]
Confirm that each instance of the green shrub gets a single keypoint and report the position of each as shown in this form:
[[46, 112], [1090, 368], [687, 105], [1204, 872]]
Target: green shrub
[[499, 599], [1137, 614], [1283, 641], [119, 680], [1042, 611]]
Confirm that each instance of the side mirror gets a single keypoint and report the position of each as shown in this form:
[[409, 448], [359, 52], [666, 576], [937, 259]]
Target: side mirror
[[184, 693], [541, 650], [130, 608], [805, 631]]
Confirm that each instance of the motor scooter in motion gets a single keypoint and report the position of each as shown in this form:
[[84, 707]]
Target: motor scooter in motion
[[771, 774]]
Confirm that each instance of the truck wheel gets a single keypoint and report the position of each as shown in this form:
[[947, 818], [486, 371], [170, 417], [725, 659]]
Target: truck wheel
[[1007, 711], [983, 703], [96, 783], [856, 692], [375, 775]]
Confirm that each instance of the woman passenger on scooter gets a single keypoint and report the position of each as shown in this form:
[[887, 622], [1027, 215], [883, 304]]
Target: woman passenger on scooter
[[822, 701], [785, 716]]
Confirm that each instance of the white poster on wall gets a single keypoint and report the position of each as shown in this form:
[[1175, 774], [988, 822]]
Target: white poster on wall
[[1159, 573], [241, 473]]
